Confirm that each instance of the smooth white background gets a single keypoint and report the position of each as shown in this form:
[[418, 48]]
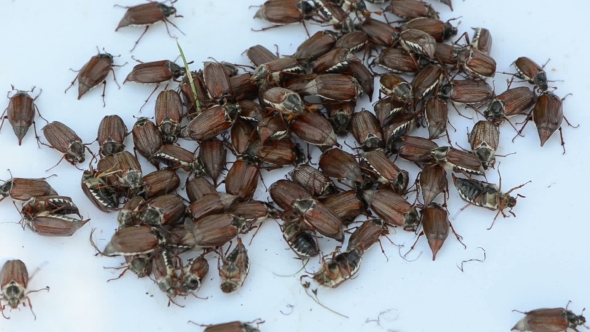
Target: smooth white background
[[539, 259]]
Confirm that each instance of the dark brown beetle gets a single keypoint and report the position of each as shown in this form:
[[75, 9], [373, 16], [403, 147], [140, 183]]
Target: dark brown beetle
[[146, 139], [387, 109], [332, 13], [213, 155], [165, 273], [217, 82], [281, 12], [313, 128], [315, 46], [384, 171], [340, 115], [242, 136], [340, 268], [337, 87], [189, 99], [216, 230], [214, 203], [107, 167], [531, 72], [169, 115], [416, 149], [396, 60], [131, 241], [484, 140], [435, 226], [337, 60], [285, 192], [438, 29], [392, 208], [433, 182], [272, 127], [53, 204], [235, 268], [418, 42], [284, 101], [211, 122], [242, 179], [179, 158], [410, 9], [511, 102], [14, 280], [251, 111], [163, 210], [379, 33], [446, 55], [192, 276], [364, 77], [141, 265], [482, 40], [457, 160], [129, 172], [401, 125], [426, 81], [21, 113], [127, 216], [243, 87], [197, 188], [476, 63], [94, 72], [365, 236], [49, 224], [466, 91], [301, 239], [316, 183], [63, 139], [111, 135], [20, 189], [155, 72], [554, 319], [339, 164], [98, 191], [254, 211], [259, 55], [147, 14], [232, 326], [436, 114], [273, 70], [346, 205], [354, 41], [160, 182], [396, 87], [279, 153], [317, 216], [487, 195]]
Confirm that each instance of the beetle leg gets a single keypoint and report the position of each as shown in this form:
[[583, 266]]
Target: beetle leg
[[148, 98], [120, 275], [459, 237], [174, 25], [137, 41], [75, 78]]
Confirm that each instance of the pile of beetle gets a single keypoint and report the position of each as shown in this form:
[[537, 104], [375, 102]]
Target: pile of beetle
[[311, 94]]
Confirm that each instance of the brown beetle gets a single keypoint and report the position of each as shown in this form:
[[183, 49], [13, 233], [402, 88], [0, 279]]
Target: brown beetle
[[232, 326], [392, 208], [168, 115], [416, 149], [531, 72], [418, 42], [313, 128], [192, 276], [466, 91], [63, 139], [283, 100], [396, 60], [127, 216], [387, 109], [213, 155], [484, 140], [337, 87], [147, 14], [163, 210], [147, 139], [131, 241], [433, 182], [273, 71], [410, 9], [259, 55], [179, 158], [316, 183], [365, 236], [379, 33], [366, 130], [98, 191], [384, 170], [336, 60], [197, 188], [128, 169], [396, 87], [340, 115], [14, 280], [20, 189], [253, 211], [279, 153], [345, 205], [315, 46], [155, 72], [426, 81], [319, 217], [272, 127], [49, 224], [94, 72], [511, 102], [242, 179], [53, 204], [436, 114], [476, 63], [214, 203], [285, 192], [160, 182], [301, 239], [554, 319], [21, 113], [235, 268], [211, 122], [217, 82], [111, 135], [216, 230], [339, 164], [457, 160], [482, 40], [438, 29], [281, 12]]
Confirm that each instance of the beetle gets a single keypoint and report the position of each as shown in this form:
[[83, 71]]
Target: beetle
[[384, 170], [410, 9], [177, 157], [214, 156], [484, 140], [315, 46], [396, 60], [285, 192], [168, 115], [354, 41], [111, 135], [235, 268], [340, 268], [93, 73], [197, 188], [416, 149], [476, 63], [511, 102], [340, 115], [165, 273], [426, 81], [284, 101], [131, 241], [554, 319], [20, 189], [438, 29], [47, 223], [259, 55], [147, 139], [337, 87], [392, 208], [98, 192], [52, 203], [379, 33], [217, 82], [319, 217], [141, 265], [214, 203], [487, 195], [530, 71], [387, 109], [155, 72], [14, 280], [346, 205], [396, 87], [365, 236], [148, 14], [242, 178], [336, 60], [211, 122], [63, 139], [192, 276], [457, 160], [366, 130], [433, 182], [313, 128], [418, 42], [158, 183], [466, 91], [316, 183], [21, 113], [278, 153], [482, 40], [436, 114], [282, 12], [216, 230], [163, 210], [232, 326], [127, 216], [129, 172], [300, 238], [340, 164]]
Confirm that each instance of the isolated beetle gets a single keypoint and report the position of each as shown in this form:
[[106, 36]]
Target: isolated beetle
[[14, 279], [93, 73], [554, 319], [21, 113], [63, 139]]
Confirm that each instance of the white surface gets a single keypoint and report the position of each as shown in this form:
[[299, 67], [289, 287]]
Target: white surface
[[539, 259]]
